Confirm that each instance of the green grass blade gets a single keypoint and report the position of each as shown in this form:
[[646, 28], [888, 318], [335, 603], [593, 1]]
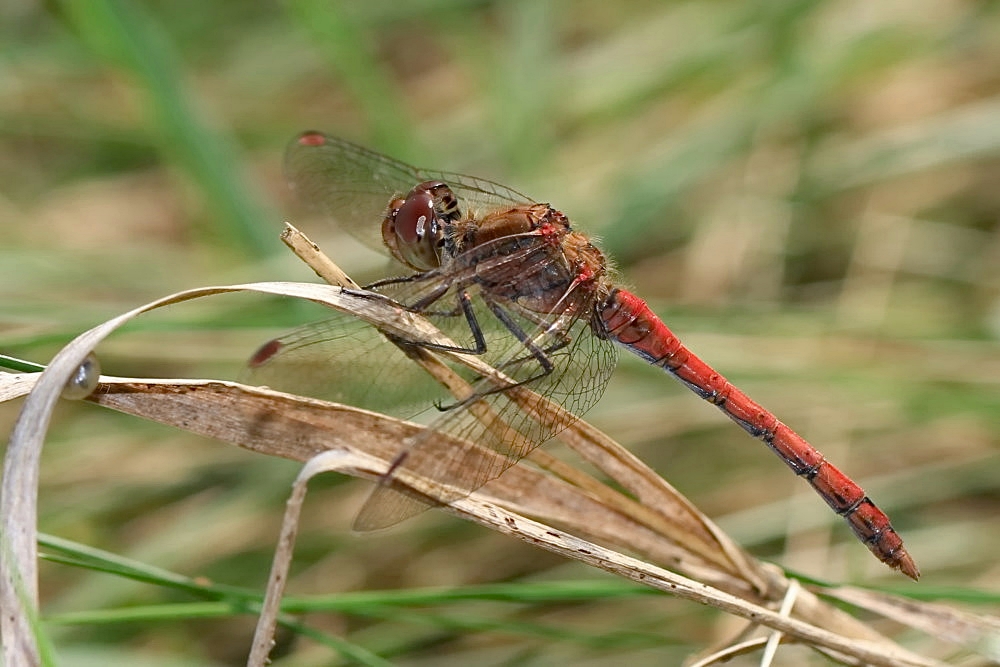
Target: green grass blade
[[125, 34]]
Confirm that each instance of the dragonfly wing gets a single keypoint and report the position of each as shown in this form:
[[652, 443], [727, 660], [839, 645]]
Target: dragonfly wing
[[385, 507], [345, 360], [476, 440], [354, 185]]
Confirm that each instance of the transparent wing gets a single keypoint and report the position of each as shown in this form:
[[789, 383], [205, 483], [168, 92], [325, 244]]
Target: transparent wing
[[472, 442], [353, 185], [345, 360], [489, 433]]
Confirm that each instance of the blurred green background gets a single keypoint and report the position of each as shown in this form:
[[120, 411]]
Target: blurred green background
[[806, 191]]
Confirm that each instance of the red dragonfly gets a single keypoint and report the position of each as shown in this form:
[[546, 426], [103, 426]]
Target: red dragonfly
[[508, 279]]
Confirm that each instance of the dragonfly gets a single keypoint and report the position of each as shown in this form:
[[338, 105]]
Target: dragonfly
[[508, 279]]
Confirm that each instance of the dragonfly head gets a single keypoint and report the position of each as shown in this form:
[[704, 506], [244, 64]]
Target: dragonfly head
[[415, 229]]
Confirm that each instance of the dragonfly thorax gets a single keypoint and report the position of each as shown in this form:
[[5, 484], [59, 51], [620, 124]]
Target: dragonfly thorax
[[415, 228]]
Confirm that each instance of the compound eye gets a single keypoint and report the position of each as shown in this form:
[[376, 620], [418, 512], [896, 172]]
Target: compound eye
[[412, 229], [414, 218]]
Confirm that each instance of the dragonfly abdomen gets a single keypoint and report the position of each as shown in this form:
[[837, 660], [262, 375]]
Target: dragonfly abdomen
[[629, 321]]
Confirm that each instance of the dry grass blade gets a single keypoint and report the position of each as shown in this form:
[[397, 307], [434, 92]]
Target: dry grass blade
[[976, 632], [745, 647], [771, 648], [263, 637], [310, 253]]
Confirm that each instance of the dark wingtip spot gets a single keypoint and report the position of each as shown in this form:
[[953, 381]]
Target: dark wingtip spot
[[312, 138], [265, 353]]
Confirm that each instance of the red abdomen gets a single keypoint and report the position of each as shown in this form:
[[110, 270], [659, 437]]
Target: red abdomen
[[629, 321]]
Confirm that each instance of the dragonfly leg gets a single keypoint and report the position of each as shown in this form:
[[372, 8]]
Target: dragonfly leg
[[539, 354], [420, 307], [371, 291], [479, 340], [399, 280]]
